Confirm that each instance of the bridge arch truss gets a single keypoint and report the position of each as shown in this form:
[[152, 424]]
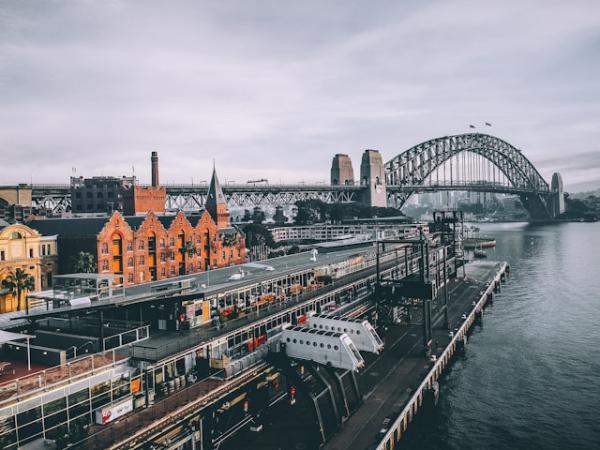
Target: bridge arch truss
[[412, 167]]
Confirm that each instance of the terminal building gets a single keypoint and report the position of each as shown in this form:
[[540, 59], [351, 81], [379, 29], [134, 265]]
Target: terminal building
[[101, 356]]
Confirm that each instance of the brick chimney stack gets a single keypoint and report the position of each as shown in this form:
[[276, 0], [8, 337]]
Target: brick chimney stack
[[155, 180]]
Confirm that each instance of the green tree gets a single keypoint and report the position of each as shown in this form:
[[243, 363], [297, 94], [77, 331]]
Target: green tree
[[83, 262], [257, 234], [311, 211], [18, 283], [258, 215], [279, 218], [247, 216]]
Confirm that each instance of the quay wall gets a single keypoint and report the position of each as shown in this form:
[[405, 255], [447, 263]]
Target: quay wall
[[400, 425]]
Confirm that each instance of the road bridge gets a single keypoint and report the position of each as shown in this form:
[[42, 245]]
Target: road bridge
[[467, 162]]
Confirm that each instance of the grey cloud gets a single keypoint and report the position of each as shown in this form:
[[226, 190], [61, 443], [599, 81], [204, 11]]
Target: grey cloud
[[274, 89]]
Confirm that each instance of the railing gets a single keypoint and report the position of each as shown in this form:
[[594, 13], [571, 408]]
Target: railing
[[201, 335], [392, 436], [126, 337], [20, 388]]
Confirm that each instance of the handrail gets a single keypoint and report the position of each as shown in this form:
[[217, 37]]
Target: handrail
[[26, 386]]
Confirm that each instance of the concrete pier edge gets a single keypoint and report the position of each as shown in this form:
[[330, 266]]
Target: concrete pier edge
[[400, 425]]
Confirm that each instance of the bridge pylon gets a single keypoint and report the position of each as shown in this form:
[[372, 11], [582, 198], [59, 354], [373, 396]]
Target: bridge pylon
[[372, 178]]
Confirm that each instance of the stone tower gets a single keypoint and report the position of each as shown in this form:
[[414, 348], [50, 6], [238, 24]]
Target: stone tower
[[216, 203], [372, 177], [558, 195], [341, 170]]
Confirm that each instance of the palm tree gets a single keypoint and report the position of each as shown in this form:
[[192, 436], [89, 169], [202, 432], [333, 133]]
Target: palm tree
[[83, 262], [18, 282]]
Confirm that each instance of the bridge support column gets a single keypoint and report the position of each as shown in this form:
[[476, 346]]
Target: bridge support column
[[372, 178]]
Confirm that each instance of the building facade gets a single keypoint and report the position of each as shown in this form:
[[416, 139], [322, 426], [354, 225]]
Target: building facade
[[22, 247], [98, 194], [138, 249], [108, 194]]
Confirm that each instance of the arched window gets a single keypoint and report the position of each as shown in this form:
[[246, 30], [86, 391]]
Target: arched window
[[16, 235]]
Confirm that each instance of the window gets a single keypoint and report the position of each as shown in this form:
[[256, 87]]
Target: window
[[16, 235], [141, 245], [2, 256], [172, 242], [129, 262], [163, 256], [162, 243], [104, 265], [129, 246], [130, 278], [142, 261], [142, 276], [172, 271], [31, 253], [99, 195], [105, 248], [163, 272]]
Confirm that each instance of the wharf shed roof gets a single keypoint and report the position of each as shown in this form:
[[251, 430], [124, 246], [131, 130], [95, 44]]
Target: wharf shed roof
[[75, 227]]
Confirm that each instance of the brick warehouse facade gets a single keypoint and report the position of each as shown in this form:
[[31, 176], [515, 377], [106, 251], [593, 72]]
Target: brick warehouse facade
[[138, 249]]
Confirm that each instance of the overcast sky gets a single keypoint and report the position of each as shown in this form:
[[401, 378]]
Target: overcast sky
[[275, 88]]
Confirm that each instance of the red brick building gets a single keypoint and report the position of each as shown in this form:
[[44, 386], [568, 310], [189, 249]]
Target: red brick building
[[138, 249], [143, 199]]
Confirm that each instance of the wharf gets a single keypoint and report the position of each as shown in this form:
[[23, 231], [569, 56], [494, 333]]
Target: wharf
[[404, 366], [394, 382]]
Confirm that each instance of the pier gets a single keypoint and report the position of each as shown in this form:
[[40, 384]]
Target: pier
[[397, 384]]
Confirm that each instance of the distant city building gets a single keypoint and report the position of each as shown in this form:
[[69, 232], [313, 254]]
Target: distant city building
[[137, 249], [108, 194], [342, 172], [99, 194], [22, 247], [12, 213]]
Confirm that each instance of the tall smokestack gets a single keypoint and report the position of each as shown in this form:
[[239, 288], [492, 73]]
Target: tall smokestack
[[154, 159]]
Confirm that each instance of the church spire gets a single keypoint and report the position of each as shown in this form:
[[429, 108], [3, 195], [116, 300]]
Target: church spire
[[216, 203]]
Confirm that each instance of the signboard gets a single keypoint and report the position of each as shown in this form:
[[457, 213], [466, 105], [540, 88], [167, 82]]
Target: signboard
[[112, 412], [190, 311]]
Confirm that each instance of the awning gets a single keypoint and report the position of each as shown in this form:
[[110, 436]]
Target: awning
[[7, 336]]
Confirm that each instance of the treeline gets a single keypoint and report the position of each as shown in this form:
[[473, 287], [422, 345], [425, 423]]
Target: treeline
[[317, 211]]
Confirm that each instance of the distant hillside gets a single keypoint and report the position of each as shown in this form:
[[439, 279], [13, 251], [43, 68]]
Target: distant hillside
[[582, 195]]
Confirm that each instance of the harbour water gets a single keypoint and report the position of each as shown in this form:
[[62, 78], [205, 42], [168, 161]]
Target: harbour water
[[531, 378]]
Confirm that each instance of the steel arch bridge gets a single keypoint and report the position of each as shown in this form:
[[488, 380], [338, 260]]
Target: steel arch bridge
[[407, 173]]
